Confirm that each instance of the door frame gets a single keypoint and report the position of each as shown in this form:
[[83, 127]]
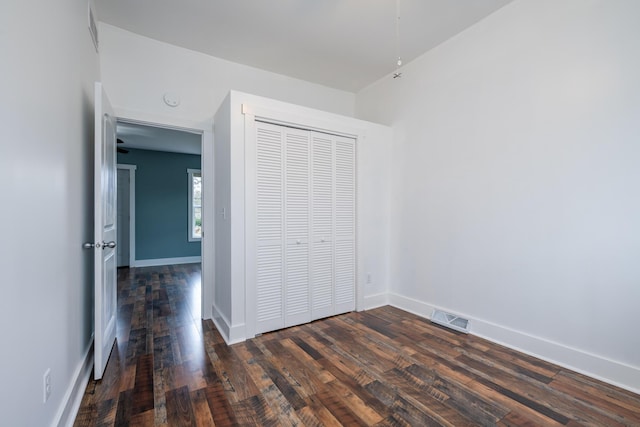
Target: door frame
[[207, 248], [132, 210]]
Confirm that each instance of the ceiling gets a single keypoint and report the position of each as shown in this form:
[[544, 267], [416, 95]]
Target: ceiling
[[344, 44], [158, 139]]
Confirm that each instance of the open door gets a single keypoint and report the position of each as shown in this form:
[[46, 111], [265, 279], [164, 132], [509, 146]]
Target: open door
[[105, 232]]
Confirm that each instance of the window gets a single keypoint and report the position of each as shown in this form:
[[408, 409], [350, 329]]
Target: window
[[195, 204]]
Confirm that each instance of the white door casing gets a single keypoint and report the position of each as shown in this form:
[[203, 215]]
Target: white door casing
[[207, 242], [105, 231]]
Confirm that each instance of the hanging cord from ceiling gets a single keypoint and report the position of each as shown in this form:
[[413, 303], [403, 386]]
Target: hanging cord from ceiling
[[398, 73]]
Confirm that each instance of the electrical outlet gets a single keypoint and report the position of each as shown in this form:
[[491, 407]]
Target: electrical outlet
[[46, 386]]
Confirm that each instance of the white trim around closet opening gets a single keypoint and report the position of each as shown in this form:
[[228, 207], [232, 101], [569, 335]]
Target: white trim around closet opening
[[250, 226], [253, 114], [305, 122]]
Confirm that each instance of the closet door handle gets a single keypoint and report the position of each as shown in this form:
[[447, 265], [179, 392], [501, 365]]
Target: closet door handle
[[298, 241]]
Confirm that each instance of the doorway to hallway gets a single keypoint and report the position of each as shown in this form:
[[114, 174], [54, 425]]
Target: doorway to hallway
[[160, 211]]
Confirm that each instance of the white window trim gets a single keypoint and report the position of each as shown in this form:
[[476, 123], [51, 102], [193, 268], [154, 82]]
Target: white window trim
[[190, 236]]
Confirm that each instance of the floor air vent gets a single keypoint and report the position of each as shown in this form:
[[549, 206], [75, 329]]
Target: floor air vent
[[450, 321]]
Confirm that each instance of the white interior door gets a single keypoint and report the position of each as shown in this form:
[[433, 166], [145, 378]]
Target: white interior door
[[105, 231]]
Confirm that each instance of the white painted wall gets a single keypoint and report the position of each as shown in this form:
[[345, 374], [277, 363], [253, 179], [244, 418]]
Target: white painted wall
[[373, 209], [137, 71], [222, 221], [46, 169], [516, 177]]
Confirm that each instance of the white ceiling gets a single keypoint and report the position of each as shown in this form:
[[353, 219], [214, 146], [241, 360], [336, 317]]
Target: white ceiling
[[158, 139], [344, 44]]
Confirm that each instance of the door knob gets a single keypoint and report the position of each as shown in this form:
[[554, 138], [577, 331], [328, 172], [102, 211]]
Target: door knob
[[90, 245], [111, 244]]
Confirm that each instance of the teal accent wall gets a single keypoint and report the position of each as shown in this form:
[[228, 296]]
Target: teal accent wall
[[162, 203]]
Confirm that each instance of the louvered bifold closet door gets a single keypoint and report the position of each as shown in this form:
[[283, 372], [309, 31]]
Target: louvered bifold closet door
[[322, 297], [269, 228], [305, 226], [297, 227], [345, 224]]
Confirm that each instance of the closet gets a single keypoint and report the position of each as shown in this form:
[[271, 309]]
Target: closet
[[304, 225], [301, 215]]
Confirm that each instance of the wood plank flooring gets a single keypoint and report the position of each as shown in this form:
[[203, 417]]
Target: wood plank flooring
[[383, 367]]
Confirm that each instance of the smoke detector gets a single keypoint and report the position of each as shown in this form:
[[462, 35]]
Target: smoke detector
[[171, 99]]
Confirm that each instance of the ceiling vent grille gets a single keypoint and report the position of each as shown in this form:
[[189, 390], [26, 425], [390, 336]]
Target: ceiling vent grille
[[450, 321]]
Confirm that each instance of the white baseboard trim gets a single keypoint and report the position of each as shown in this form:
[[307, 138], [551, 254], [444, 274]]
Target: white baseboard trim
[[375, 301], [166, 261], [66, 414], [598, 367], [231, 334]]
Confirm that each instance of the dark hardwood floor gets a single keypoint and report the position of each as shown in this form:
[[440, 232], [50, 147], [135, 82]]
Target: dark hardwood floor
[[383, 367]]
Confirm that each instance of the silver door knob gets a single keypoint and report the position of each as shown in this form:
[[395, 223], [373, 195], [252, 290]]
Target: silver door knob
[[111, 244], [90, 245], [298, 241]]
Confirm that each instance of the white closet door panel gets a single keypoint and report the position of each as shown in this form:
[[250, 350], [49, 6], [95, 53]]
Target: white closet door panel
[[345, 263], [345, 207], [345, 230], [322, 297], [296, 305], [322, 185], [269, 228], [296, 181], [269, 184], [297, 224], [322, 283], [269, 298]]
